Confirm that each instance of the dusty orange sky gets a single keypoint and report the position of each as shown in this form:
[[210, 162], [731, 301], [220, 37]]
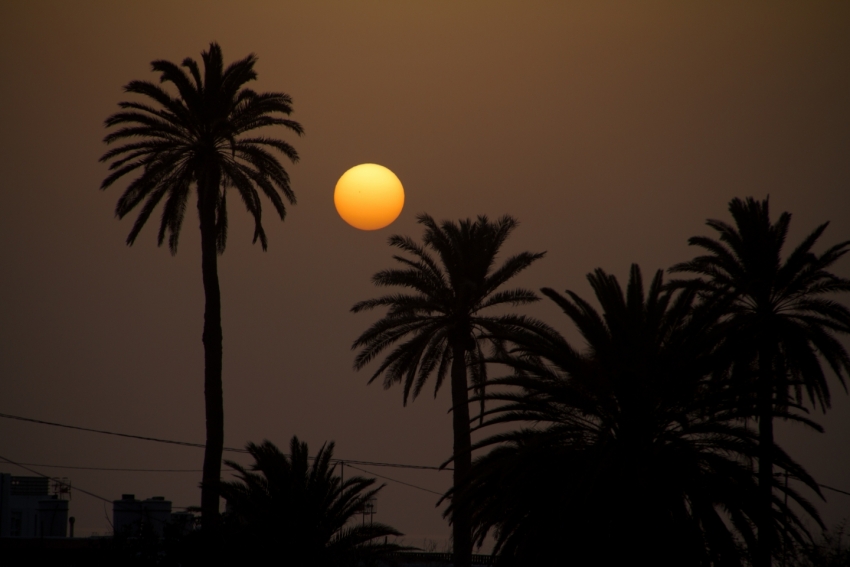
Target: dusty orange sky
[[611, 130]]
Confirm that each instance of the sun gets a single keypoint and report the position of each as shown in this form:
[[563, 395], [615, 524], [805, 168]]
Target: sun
[[369, 196]]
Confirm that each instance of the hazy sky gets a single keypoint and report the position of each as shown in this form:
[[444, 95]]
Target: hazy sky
[[610, 130]]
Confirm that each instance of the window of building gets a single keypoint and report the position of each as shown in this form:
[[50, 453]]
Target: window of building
[[16, 523]]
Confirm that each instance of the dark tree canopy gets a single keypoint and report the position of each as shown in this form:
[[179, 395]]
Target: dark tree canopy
[[785, 305], [302, 513], [445, 302], [781, 319], [632, 450], [199, 138]]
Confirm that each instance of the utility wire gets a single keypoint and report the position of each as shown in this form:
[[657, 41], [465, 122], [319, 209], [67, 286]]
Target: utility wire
[[77, 488], [393, 479], [351, 463], [834, 489], [143, 438], [201, 445], [116, 469], [25, 465], [110, 469], [780, 474], [392, 465], [69, 486]]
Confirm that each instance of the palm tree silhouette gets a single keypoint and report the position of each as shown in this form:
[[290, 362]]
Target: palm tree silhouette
[[303, 512], [781, 321], [442, 324], [631, 451], [196, 140]]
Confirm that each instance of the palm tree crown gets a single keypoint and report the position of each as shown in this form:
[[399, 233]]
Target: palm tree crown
[[776, 304], [780, 319], [304, 512], [631, 449], [441, 325], [445, 307], [197, 139]]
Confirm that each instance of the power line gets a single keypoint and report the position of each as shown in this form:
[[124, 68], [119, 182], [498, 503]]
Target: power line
[[393, 465], [113, 469], [77, 488], [201, 445], [92, 494], [69, 486], [780, 474], [394, 480], [834, 489], [350, 463], [127, 435], [116, 469], [233, 449], [110, 469]]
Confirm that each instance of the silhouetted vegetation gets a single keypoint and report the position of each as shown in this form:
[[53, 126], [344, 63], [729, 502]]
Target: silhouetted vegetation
[[641, 446], [197, 140], [284, 509], [442, 324], [634, 447], [831, 550], [305, 514], [781, 319]]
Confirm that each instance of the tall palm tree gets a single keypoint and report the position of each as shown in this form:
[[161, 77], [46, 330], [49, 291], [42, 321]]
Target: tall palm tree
[[442, 324], [783, 321], [197, 140], [304, 512], [629, 451]]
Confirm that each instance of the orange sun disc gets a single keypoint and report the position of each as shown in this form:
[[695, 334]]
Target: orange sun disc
[[369, 196]]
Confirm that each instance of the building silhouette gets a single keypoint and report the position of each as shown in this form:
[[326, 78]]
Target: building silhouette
[[131, 516], [28, 509]]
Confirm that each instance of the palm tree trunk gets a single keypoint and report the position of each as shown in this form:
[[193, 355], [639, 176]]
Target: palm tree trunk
[[212, 338], [461, 518], [765, 475]]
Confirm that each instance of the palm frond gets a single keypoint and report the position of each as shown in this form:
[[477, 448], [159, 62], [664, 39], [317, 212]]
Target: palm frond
[[211, 109]]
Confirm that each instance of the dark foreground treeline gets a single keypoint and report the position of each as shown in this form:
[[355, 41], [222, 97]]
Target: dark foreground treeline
[[652, 440]]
